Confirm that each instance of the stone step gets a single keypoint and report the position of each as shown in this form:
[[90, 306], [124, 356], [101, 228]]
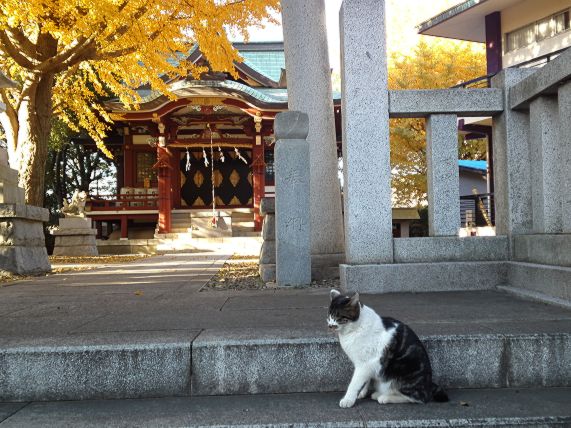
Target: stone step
[[545, 282], [182, 229], [259, 361], [545, 407], [226, 363]]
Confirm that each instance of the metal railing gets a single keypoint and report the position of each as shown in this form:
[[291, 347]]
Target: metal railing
[[485, 81], [477, 210], [115, 202]]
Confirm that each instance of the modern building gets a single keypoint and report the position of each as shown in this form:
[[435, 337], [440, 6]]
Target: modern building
[[516, 32]]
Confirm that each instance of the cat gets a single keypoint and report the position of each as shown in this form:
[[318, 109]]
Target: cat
[[385, 353]]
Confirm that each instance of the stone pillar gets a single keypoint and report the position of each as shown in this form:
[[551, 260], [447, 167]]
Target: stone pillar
[[75, 237], [546, 152], [309, 91], [293, 239], [512, 175], [268, 250], [564, 101], [442, 175], [366, 149]]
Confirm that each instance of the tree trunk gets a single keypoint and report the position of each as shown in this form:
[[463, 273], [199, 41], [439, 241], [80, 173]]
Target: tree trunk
[[31, 151]]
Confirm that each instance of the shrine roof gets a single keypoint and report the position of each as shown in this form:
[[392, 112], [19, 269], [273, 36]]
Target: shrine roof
[[267, 58], [264, 98]]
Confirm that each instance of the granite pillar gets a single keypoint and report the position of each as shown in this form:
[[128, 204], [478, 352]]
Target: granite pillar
[[293, 228], [546, 152], [309, 91], [564, 102], [442, 175], [268, 251], [512, 167], [366, 149]]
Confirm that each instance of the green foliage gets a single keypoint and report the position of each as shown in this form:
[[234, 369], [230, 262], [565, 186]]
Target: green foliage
[[72, 164]]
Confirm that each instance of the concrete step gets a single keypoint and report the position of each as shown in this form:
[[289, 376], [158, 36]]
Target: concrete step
[[259, 361], [547, 407]]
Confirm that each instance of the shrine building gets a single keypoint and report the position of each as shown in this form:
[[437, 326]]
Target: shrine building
[[219, 130]]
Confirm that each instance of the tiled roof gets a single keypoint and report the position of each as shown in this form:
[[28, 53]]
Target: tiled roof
[[268, 63]]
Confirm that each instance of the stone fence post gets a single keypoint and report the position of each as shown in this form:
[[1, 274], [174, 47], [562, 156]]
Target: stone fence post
[[293, 239]]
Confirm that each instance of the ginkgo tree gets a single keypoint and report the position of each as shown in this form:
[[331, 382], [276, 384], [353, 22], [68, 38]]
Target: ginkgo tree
[[432, 64], [66, 55]]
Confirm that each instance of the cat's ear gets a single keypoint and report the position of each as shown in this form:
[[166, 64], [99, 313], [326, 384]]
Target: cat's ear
[[354, 299], [334, 293]]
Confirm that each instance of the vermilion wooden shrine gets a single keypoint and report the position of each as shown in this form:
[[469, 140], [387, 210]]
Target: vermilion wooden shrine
[[168, 153]]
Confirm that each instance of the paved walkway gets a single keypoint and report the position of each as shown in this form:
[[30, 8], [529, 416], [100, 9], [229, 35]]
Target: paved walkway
[[161, 294], [159, 299]]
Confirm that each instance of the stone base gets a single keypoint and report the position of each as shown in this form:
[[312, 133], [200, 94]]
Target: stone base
[[450, 249], [76, 250], [268, 253], [201, 227], [268, 272], [24, 260], [423, 277], [545, 249], [22, 243], [75, 237], [326, 266], [551, 281]]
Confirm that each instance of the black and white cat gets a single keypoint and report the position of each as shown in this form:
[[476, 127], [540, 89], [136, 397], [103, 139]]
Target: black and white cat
[[387, 355]]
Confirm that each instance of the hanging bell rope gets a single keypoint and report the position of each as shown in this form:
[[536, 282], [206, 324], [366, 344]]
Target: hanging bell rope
[[212, 179]]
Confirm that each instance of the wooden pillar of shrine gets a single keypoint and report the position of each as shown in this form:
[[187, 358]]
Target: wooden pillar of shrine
[[128, 159], [164, 167], [259, 179]]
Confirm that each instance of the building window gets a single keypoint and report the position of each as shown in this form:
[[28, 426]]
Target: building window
[[538, 31], [270, 174], [144, 165]]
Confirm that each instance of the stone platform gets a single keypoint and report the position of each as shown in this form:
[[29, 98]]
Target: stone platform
[[75, 237], [89, 327], [22, 242]]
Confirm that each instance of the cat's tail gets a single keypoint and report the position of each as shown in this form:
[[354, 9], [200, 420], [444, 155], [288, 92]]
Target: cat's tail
[[438, 394]]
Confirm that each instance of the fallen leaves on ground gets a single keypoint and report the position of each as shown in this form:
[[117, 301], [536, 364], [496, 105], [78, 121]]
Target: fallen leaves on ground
[[95, 260], [241, 272], [237, 275], [71, 264]]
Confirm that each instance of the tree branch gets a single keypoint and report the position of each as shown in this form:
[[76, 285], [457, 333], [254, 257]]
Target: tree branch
[[23, 43], [7, 45]]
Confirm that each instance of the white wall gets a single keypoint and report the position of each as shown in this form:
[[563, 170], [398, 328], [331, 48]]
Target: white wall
[[526, 12], [469, 180]]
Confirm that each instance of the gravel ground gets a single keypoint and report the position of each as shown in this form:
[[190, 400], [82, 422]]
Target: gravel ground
[[242, 273]]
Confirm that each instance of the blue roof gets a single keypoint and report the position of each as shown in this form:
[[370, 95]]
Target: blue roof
[[480, 165]]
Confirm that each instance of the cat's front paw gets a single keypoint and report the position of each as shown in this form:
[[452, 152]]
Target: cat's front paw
[[345, 403], [363, 393]]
